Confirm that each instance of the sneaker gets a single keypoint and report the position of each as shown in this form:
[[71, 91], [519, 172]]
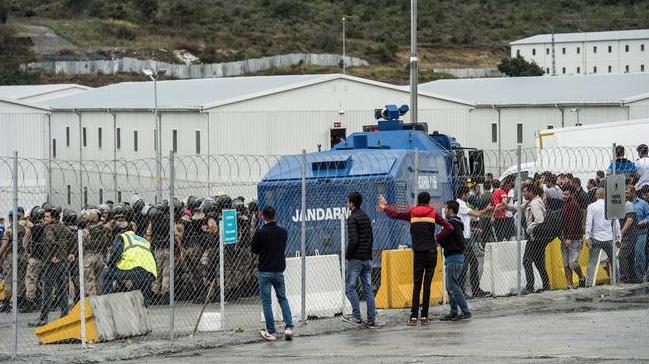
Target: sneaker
[[371, 325], [425, 321], [268, 336], [352, 320], [37, 323], [450, 317], [288, 333], [582, 283], [412, 321], [479, 293], [465, 316]]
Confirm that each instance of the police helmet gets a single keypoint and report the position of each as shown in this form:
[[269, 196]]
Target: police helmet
[[253, 207], [194, 203], [119, 211], [104, 209], [138, 205], [208, 206], [154, 212], [239, 205], [21, 211], [223, 202], [37, 214], [70, 217]]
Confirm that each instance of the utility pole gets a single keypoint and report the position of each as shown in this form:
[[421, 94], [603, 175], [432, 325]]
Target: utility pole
[[154, 75], [414, 74], [344, 50]]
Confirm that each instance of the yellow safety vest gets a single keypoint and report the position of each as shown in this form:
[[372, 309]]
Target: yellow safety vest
[[137, 253]]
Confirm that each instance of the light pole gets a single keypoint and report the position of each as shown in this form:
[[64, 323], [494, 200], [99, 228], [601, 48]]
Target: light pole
[[414, 74], [154, 75]]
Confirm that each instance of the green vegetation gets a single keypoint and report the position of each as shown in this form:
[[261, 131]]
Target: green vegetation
[[469, 33], [220, 30], [519, 67], [13, 52]]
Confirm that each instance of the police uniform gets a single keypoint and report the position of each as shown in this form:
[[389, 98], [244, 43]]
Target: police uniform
[[96, 241], [158, 232], [59, 242], [7, 264], [131, 259], [35, 244]]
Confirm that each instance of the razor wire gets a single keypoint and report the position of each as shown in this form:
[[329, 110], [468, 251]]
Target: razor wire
[[205, 186]]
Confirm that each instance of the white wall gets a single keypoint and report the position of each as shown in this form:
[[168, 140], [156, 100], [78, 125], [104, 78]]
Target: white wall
[[588, 58]]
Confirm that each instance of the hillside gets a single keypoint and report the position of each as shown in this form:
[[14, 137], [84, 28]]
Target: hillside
[[470, 33]]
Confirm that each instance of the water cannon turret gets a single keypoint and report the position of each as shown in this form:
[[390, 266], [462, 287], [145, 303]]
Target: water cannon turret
[[388, 117]]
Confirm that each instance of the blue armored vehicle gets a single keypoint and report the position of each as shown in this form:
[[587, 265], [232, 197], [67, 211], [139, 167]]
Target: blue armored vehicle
[[392, 159]]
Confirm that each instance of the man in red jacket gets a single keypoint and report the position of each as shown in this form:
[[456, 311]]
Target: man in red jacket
[[422, 220]]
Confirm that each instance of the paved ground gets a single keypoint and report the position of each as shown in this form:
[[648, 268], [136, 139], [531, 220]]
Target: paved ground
[[598, 324], [613, 336]]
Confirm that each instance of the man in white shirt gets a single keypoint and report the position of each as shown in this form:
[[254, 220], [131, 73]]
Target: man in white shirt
[[599, 235], [465, 213], [642, 166]]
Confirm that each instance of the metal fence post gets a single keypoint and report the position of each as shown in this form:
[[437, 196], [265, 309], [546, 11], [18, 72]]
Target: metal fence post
[[14, 260], [519, 216], [416, 176], [343, 243], [172, 244], [49, 158], [221, 273], [303, 241], [614, 263], [82, 288]]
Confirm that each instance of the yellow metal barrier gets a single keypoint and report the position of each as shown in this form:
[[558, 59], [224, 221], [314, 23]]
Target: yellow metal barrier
[[554, 265], [396, 279], [69, 327], [2, 290]]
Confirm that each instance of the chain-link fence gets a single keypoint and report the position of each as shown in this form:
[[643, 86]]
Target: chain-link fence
[[525, 214]]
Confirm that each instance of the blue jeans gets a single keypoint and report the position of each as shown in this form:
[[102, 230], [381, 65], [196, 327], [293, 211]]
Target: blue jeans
[[268, 280], [640, 258], [355, 269], [454, 266]]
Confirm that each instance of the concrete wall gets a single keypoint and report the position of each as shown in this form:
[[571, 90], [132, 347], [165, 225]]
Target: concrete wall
[[588, 57], [471, 72], [182, 71]]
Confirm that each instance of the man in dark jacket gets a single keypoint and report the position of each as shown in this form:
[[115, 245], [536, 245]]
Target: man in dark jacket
[[59, 242], [359, 260], [454, 245], [422, 220], [269, 243]]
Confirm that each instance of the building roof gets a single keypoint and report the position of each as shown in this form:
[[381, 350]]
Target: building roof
[[194, 94], [610, 89], [37, 108], [585, 36], [21, 92]]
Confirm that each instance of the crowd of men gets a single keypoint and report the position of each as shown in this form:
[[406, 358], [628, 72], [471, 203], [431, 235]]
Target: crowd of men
[[558, 206], [48, 252]]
